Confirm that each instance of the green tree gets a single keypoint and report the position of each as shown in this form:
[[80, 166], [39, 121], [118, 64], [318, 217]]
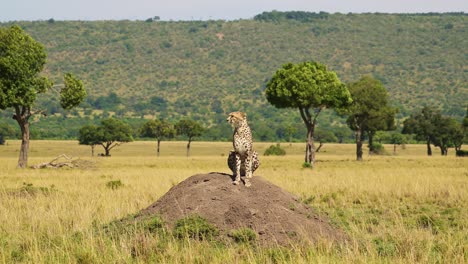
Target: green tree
[[397, 139], [423, 126], [306, 86], [6, 131], [190, 129], [22, 59], [369, 111], [158, 129], [324, 136], [290, 131], [448, 133], [114, 132], [110, 134], [90, 135]]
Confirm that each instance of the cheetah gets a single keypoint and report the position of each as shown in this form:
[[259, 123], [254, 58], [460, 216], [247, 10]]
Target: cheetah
[[243, 148], [232, 163]]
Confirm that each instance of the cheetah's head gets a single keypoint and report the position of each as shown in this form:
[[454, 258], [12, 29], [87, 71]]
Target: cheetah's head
[[236, 118]]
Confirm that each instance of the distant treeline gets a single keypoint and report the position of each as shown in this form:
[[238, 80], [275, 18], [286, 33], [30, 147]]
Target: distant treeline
[[303, 16]]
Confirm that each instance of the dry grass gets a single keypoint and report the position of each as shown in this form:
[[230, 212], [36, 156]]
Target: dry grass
[[397, 208]]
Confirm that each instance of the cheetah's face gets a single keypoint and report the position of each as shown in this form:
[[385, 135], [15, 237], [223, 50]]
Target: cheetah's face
[[236, 118]]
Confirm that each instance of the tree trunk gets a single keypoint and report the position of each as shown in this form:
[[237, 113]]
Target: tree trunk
[[310, 148], [188, 147], [319, 147], [92, 150], [358, 145], [310, 125], [23, 156], [394, 149], [157, 150], [371, 143], [443, 151], [107, 149], [429, 150]]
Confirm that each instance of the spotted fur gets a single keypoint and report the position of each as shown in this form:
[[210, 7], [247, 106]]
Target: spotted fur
[[232, 163], [243, 146]]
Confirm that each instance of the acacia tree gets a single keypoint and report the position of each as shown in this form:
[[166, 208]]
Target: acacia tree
[[369, 111], [397, 139], [89, 135], [110, 134], [449, 133], [306, 86], [189, 128], [324, 136], [22, 59], [158, 129], [423, 125]]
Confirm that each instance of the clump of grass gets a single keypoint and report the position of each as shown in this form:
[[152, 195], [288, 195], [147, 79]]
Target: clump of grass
[[28, 189], [385, 247], [307, 165], [278, 255], [153, 224], [114, 185], [195, 227], [131, 225], [243, 235], [430, 222]]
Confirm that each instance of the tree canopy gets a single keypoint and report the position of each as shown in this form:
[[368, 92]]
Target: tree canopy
[[304, 86], [189, 128], [110, 134], [158, 129], [423, 125], [369, 112]]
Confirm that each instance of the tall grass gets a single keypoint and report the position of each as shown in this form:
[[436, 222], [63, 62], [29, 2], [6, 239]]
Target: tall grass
[[400, 208]]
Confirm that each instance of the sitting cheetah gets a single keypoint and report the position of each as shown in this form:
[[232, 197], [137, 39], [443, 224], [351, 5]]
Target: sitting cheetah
[[232, 163], [243, 149]]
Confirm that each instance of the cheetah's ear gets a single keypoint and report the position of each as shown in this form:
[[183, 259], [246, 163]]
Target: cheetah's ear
[[244, 115]]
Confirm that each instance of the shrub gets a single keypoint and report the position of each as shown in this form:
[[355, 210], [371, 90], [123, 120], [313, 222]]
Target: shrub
[[243, 235], [114, 184], [462, 153], [154, 224], [194, 227], [378, 149], [307, 165], [275, 150]]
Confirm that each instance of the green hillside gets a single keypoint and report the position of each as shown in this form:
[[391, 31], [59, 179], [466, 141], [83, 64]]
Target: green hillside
[[205, 69]]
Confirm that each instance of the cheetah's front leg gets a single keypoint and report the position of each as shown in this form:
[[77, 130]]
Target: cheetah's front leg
[[238, 168], [248, 168]]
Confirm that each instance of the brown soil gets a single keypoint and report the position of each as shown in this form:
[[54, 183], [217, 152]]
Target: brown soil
[[277, 216]]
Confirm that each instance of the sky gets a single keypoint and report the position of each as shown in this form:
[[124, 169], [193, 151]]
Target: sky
[[16, 10]]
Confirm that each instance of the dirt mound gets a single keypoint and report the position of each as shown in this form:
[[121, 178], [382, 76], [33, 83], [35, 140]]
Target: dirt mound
[[275, 215]]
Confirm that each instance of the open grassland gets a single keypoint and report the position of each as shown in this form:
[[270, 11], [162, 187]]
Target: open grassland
[[401, 208]]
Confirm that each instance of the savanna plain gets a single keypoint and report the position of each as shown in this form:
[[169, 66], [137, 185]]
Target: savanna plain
[[403, 207]]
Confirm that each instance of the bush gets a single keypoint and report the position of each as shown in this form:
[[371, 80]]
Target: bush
[[378, 149], [462, 153], [114, 184], [194, 227], [243, 235], [154, 224], [275, 150]]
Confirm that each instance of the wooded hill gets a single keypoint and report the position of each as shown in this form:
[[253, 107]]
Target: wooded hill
[[205, 69]]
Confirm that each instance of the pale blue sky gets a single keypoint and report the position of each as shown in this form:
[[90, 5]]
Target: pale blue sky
[[11, 10]]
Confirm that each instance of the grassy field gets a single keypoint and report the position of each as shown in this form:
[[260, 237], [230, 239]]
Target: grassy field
[[402, 208]]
